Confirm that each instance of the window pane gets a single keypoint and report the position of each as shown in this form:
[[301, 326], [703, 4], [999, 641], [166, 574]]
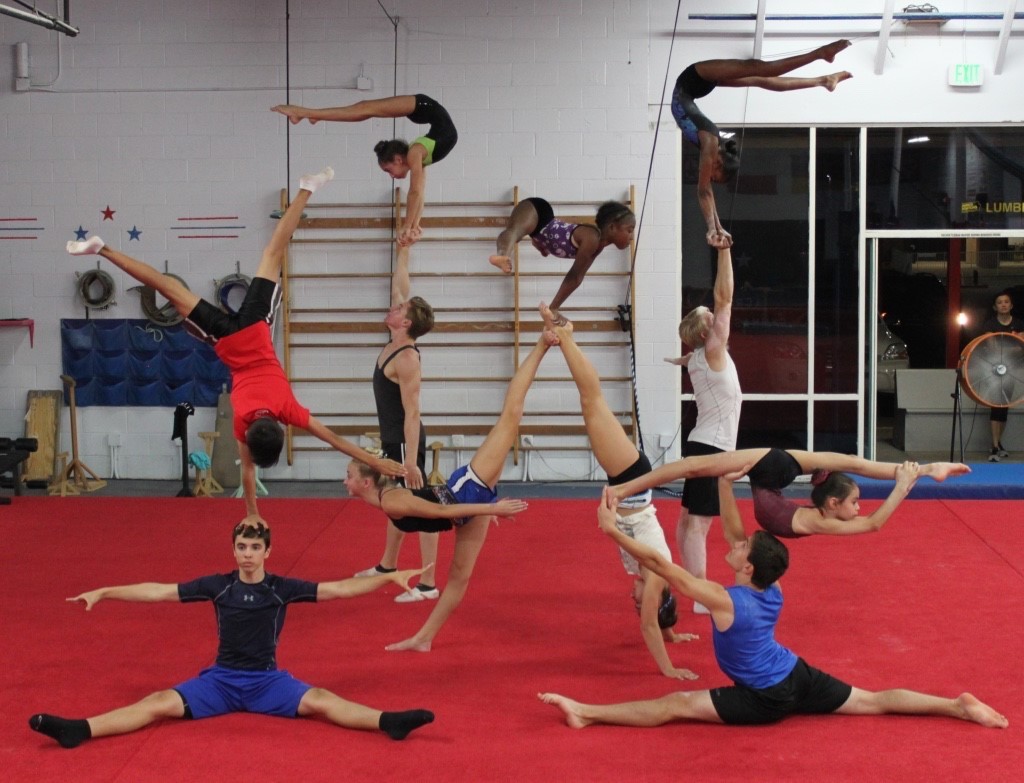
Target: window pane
[[921, 178], [780, 425], [835, 427], [765, 209], [836, 245]]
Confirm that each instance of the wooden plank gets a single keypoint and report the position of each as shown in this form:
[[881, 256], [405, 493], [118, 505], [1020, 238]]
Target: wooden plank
[[457, 379], [42, 422], [334, 327], [451, 221], [435, 430]]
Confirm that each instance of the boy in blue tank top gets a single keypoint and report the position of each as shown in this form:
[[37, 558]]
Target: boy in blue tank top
[[770, 681]]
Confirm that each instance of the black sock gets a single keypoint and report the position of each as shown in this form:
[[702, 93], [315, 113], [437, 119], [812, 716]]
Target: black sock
[[399, 724], [382, 570], [425, 587], [69, 733]]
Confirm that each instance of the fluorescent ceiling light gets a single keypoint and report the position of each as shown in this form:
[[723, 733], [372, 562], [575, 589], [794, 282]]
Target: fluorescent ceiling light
[[726, 134], [917, 139]]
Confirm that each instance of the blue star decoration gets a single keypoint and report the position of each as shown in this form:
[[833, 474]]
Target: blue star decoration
[[108, 213], [133, 233], [81, 233]]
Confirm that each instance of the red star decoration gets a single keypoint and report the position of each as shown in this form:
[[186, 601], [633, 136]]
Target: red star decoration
[[108, 213]]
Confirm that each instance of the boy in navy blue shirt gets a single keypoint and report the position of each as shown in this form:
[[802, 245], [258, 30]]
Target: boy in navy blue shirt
[[250, 606]]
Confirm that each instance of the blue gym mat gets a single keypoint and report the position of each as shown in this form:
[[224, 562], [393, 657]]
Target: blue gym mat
[[986, 481]]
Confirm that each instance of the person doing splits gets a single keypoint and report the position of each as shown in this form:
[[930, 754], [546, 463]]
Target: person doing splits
[[836, 496], [261, 396], [719, 160], [582, 242], [466, 503], [770, 682], [250, 605], [398, 158], [636, 515]]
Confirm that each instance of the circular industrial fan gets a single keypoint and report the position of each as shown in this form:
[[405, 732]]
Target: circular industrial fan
[[992, 369]]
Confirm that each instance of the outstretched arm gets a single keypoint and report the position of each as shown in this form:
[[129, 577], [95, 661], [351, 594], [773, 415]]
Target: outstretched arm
[[411, 231], [711, 594], [361, 585], [705, 193], [387, 467], [248, 478], [717, 343], [398, 504], [148, 592], [732, 522], [653, 637], [587, 251], [400, 282], [810, 521]]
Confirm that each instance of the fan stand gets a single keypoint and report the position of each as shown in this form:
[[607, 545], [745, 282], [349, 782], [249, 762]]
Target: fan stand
[[85, 480], [958, 413]]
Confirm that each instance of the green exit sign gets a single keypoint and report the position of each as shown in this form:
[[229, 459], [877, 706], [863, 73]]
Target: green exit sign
[[965, 75]]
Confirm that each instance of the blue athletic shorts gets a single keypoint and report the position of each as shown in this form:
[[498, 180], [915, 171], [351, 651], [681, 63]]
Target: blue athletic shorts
[[468, 488], [218, 691]]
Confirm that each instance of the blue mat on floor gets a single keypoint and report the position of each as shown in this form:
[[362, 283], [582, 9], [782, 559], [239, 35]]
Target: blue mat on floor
[[986, 481]]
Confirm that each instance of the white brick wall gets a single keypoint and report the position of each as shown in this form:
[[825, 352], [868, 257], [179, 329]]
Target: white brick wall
[[559, 97]]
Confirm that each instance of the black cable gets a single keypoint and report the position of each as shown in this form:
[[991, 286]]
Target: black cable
[[288, 98]]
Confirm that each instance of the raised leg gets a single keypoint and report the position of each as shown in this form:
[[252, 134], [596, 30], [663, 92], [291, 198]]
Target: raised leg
[[396, 106], [683, 705], [611, 445], [469, 540], [849, 463], [489, 459], [522, 222], [182, 298], [726, 73], [274, 252]]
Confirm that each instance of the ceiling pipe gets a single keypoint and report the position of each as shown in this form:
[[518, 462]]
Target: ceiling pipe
[[42, 19]]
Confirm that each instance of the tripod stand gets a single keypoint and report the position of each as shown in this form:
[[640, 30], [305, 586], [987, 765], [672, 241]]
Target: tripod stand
[[84, 479], [958, 414]]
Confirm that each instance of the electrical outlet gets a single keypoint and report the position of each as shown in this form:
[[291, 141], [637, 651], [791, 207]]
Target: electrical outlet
[[527, 440], [458, 440], [115, 439]]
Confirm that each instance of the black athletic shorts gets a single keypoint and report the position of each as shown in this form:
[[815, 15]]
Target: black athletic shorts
[[641, 467], [806, 691], [693, 84], [442, 129], [700, 495], [775, 470], [545, 214], [260, 302], [998, 414]]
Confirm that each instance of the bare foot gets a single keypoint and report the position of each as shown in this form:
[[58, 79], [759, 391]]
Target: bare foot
[[834, 78], [976, 710], [553, 319], [504, 263], [940, 471], [829, 51], [570, 708], [409, 644]]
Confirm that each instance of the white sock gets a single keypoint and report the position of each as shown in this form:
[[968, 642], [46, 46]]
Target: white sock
[[89, 247], [312, 182]]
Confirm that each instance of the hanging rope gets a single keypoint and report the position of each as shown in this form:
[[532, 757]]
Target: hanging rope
[[227, 285], [104, 297], [625, 317]]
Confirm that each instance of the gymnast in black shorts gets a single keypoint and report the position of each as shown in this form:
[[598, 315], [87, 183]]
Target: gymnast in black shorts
[[770, 681], [396, 157], [719, 161], [836, 497]]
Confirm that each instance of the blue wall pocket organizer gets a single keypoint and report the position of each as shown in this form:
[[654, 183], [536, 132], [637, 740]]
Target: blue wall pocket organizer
[[133, 362]]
